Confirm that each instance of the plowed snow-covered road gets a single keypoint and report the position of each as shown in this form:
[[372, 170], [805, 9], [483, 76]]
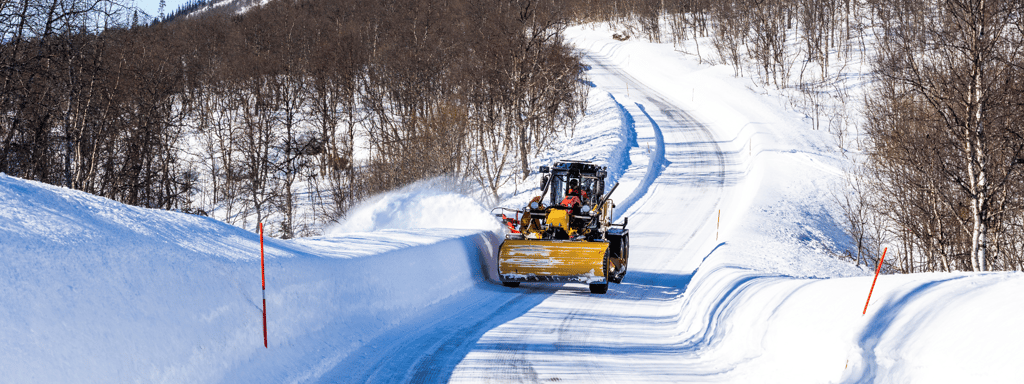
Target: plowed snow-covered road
[[551, 332]]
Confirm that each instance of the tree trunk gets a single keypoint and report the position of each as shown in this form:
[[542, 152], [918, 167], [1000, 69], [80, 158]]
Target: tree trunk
[[976, 145]]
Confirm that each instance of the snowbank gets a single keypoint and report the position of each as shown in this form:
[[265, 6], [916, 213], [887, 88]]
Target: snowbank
[[96, 291]]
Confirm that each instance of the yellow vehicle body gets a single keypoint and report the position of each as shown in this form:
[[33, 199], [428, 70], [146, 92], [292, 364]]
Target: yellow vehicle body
[[566, 233], [560, 218], [553, 260]]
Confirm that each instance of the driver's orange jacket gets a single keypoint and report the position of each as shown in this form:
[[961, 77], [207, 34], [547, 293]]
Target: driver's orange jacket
[[581, 192], [571, 201]]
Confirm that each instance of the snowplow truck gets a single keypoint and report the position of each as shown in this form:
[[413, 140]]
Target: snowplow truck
[[566, 234]]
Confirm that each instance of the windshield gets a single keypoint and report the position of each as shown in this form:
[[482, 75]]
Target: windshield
[[587, 188]]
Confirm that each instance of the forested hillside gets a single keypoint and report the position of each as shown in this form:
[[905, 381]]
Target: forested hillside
[[310, 104]]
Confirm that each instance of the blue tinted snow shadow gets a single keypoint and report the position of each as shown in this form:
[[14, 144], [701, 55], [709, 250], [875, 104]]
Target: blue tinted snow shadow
[[657, 164], [882, 318]]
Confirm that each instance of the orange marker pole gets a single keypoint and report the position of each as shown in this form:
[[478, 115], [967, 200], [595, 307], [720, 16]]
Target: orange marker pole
[[719, 225], [879, 269], [263, 282]]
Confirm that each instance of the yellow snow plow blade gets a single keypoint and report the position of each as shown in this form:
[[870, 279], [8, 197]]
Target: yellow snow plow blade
[[552, 260]]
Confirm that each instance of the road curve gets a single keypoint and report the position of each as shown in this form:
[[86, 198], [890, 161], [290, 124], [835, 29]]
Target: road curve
[[561, 332]]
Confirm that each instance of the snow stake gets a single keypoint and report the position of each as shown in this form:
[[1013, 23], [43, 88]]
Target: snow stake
[[879, 269], [263, 282]]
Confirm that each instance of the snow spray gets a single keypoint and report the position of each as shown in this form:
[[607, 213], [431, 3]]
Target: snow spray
[[263, 282], [879, 269]]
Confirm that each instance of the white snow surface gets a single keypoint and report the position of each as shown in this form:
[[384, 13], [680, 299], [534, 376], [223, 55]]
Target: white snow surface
[[92, 291]]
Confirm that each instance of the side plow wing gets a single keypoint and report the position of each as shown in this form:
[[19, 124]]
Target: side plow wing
[[552, 260]]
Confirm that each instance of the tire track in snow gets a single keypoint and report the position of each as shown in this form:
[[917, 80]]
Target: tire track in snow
[[437, 366], [427, 349], [657, 161]]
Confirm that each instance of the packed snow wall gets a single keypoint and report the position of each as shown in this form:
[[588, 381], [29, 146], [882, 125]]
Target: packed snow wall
[[92, 290]]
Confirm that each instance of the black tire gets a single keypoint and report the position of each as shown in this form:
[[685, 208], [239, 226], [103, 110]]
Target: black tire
[[625, 248], [602, 288], [622, 253], [624, 256], [510, 284]]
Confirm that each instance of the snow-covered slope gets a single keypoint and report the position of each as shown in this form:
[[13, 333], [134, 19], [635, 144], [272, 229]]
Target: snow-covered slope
[[96, 291]]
